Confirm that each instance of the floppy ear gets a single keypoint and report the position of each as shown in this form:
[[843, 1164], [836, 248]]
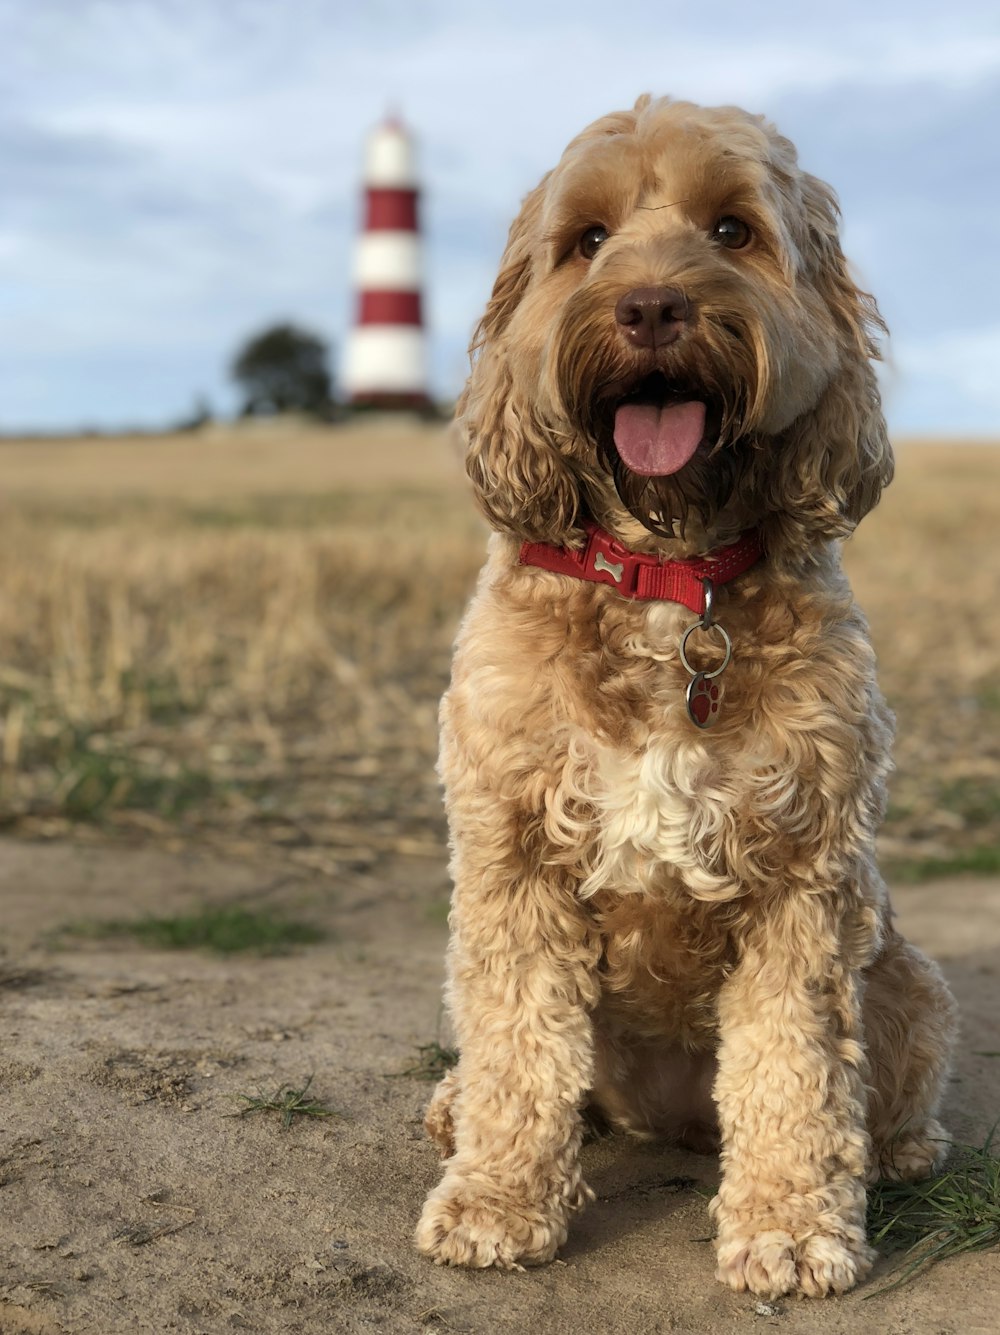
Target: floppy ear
[[838, 455], [522, 483]]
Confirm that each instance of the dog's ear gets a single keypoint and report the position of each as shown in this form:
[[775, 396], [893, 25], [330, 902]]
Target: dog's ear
[[522, 482], [515, 270], [840, 452]]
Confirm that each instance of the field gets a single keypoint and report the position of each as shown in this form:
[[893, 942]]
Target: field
[[220, 661], [238, 639], [242, 637]]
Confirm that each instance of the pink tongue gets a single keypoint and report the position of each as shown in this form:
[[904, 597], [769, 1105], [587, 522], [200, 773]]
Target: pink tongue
[[656, 441]]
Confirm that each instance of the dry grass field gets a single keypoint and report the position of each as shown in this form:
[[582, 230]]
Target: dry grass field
[[241, 636], [238, 637]]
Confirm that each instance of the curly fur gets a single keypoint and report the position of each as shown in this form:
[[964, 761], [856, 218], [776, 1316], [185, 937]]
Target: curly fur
[[685, 929]]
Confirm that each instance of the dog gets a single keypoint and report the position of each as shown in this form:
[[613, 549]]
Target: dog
[[663, 748]]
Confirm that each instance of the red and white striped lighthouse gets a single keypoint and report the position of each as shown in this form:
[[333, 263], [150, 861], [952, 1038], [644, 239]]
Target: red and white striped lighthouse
[[386, 362]]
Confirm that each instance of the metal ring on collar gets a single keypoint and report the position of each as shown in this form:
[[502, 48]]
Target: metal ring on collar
[[726, 643]]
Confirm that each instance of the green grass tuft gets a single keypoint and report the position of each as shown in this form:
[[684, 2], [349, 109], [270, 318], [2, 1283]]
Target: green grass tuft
[[93, 783], [989, 698], [977, 861], [976, 800], [287, 1101], [437, 910], [433, 1061], [225, 930], [953, 1212]]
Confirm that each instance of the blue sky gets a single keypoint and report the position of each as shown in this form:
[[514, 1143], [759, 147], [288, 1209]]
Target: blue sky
[[179, 173]]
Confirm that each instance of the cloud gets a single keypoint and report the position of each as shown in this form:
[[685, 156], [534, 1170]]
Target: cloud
[[961, 368]]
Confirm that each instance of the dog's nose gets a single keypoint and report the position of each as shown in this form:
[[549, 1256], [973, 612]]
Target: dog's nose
[[652, 317]]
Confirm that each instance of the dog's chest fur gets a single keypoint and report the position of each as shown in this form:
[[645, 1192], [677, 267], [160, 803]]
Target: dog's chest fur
[[569, 703]]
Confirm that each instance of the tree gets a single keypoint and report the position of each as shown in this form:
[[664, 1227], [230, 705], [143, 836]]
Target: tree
[[282, 370]]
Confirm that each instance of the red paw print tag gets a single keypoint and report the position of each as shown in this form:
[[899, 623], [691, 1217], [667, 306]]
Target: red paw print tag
[[704, 697]]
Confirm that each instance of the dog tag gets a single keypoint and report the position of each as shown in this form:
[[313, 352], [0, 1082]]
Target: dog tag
[[704, 698]]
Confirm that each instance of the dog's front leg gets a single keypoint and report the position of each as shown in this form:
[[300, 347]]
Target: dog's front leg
[[521, 966], [790, 1211]]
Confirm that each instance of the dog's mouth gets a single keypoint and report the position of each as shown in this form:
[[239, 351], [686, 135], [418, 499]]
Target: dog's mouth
[[659, 425]]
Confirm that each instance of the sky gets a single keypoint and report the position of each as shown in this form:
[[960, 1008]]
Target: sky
[[179, 174]]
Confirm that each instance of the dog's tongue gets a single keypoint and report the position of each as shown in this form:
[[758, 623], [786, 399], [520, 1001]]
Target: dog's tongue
[[654, 440]]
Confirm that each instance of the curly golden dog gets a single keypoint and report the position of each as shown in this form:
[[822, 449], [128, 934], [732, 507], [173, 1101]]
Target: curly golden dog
[[664, 748]]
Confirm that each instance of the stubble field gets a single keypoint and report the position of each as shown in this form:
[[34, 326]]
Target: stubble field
[[242, 636], [220, 661]]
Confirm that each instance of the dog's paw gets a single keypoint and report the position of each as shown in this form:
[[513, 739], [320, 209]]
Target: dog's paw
[[913, 1155], [831, 1264], [460, 1226], [774, 1262]]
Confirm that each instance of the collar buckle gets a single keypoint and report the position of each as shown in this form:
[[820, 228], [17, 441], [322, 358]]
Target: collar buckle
[[608, 562]]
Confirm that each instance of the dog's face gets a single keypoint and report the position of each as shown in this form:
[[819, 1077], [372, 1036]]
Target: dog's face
[[674, 321]]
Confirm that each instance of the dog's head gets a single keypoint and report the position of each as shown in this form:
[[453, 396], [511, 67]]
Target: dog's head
[[674, 322]]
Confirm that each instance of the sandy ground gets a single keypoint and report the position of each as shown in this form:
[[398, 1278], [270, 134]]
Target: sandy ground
[[131, 1200]]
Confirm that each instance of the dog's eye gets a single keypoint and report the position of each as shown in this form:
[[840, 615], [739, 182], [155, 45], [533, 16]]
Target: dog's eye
[[592, 240], [733, 233]]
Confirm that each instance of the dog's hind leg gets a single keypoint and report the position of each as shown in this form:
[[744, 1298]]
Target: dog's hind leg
[[438, 1119], [910, 1022]]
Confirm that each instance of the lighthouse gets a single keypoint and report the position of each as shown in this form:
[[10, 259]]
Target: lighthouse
[[386, 361]]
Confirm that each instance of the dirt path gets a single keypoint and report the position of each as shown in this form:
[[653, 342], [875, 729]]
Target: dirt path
[[131, 1201]]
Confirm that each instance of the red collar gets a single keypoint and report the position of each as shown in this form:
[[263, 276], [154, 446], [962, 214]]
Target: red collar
[[604, 560]]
